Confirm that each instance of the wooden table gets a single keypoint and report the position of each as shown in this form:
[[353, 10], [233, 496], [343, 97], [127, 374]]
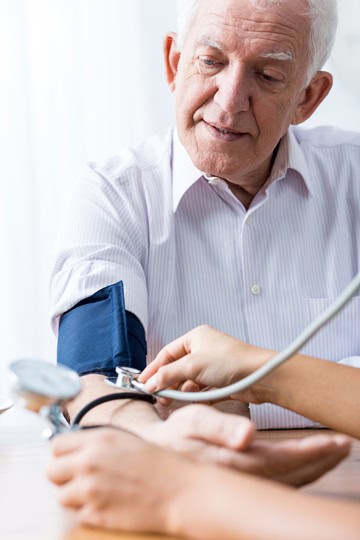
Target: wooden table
[[28, 503]]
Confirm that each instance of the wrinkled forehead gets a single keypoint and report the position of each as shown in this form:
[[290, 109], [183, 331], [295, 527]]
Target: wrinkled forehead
[[284, 24]]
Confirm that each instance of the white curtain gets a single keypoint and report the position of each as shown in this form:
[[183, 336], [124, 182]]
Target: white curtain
[[79, 79]]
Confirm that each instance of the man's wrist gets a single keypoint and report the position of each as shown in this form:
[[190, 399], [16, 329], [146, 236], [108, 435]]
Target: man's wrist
[[129, 414], [135, 416]]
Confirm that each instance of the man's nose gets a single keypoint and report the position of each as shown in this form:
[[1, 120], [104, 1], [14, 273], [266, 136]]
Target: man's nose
[[233, 91]]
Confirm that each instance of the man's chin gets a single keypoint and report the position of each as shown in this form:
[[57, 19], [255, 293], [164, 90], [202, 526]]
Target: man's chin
[[222, 168]]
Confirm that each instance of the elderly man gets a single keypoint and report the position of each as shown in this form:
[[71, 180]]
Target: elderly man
[[238, 218]]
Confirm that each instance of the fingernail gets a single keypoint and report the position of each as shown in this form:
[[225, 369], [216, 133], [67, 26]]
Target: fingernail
[[341, 440], [243, 433], [151, 384]]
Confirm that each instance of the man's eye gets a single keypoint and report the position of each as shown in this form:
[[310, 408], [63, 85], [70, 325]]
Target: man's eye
[[268, 78], [209, 63]]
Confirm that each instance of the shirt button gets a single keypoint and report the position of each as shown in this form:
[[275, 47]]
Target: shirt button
[[256, 289], [249, 220]]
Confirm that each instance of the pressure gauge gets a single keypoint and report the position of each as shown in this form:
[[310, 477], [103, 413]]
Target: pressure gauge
[[41, 384]]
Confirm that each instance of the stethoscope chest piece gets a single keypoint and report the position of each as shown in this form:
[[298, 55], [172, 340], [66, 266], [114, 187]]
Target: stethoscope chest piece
[[127, 379], [126, 376]]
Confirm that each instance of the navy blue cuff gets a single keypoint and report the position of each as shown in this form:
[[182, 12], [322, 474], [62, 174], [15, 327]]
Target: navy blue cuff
[[98, 334]]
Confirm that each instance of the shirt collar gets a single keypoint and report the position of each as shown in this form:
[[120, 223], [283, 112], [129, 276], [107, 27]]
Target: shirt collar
[[185, 174], [289, 156]]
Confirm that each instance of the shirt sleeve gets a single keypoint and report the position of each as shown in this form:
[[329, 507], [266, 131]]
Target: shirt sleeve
[[103, 241]]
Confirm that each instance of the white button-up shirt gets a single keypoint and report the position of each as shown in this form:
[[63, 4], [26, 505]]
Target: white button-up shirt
[[189, 253]]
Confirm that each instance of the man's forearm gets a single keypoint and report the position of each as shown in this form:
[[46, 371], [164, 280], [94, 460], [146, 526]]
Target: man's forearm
[[129, 414], [323, 391]]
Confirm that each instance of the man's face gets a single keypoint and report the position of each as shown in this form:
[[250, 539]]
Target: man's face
[[239, 80]]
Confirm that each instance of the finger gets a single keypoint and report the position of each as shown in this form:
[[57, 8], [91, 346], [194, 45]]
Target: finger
[[165, 402], [232, 458], [311, 471], [188, 386], [173, 351], [318, 443], [308, 448], [322, 455], [68, 442], [62, 469], [191, 386], [207, 424], [90, 516], [293, 463], [187, 368], [313, 448], [297, 462], [107, 518], [74, 494]]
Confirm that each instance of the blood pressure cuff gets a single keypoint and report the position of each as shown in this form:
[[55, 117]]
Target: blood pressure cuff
[[98, 334]]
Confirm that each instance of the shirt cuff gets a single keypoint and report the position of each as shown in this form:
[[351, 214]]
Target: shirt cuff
[[352, 361]]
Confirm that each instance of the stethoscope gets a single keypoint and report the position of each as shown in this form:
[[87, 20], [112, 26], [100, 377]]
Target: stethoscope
[[47, 389]]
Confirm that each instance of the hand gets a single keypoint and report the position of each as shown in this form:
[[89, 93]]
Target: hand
[[202, 433], [295, 462], [204, 357], [115, 480], [207, 435]]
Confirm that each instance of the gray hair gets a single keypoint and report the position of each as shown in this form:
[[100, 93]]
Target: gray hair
[[323, 18]]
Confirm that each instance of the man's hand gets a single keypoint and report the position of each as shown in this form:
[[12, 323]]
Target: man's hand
[[295, 462], [202, 433], [205, 434]]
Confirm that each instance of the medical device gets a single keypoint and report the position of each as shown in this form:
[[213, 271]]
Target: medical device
[[47, 388]]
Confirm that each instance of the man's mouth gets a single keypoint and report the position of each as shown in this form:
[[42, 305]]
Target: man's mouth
[[223, 133]]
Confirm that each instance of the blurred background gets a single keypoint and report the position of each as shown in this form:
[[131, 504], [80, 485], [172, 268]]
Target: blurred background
[[79, 80]]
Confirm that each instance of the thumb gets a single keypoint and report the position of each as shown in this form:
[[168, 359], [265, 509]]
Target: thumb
[[221, 429]]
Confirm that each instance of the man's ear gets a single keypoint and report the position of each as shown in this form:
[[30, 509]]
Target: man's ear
[[171, 57], [313, 95]]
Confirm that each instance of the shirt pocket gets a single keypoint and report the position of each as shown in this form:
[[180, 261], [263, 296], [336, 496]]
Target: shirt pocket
[[340, 337]]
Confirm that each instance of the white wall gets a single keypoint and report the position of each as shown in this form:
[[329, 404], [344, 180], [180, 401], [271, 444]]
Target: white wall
[[342, 106]]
